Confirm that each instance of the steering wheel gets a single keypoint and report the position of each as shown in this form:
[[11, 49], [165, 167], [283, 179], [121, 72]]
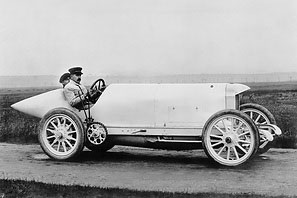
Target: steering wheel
[[98, 86]]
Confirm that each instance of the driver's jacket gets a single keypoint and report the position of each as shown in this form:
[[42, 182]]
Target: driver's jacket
[[75, 93]]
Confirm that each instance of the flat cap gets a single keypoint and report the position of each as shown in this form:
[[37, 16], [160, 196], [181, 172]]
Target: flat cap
[[75, 70], [64, 77]]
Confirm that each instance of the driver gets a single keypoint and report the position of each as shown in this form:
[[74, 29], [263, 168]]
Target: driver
[[75, 93]]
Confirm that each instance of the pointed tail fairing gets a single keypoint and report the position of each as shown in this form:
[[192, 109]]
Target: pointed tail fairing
[[39, 105]]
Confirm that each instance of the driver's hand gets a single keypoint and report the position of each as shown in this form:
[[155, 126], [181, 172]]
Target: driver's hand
[[92, 91], [95, 93]]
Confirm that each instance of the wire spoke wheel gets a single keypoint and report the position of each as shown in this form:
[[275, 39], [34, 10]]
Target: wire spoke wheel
[[260, 115], [230, 138], [61, 134], [259, 118]]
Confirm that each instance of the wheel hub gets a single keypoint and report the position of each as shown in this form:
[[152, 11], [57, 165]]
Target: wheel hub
[[231, 138], [228, 140], [95, 133], [61, 133]]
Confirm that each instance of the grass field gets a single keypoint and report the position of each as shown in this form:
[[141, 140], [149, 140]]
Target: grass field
[[280, 98], [16, 127], [18, 188]]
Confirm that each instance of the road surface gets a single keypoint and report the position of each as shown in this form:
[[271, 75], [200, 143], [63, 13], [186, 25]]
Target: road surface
[[274, 173]]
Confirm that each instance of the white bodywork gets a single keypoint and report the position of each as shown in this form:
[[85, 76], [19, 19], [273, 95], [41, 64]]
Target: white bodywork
[[162, 116], [147, 109]]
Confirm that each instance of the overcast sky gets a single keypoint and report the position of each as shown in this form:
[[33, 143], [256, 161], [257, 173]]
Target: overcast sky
[[148, 37]]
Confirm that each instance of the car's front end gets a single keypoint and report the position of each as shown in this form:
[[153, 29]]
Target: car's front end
[[233, 95]]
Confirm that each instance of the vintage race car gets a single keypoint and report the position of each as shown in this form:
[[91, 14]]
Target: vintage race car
[[162, 116]]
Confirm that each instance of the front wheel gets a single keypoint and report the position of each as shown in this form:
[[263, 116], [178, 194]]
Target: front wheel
[[230, 138], [260, 115], [61, 134]]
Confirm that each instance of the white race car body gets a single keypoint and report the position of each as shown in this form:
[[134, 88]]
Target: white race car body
[[147, 109], [169, 116]]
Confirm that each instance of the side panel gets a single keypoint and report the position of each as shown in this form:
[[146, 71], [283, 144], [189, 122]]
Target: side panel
[[158, 109], [187, 105], [126, 105]]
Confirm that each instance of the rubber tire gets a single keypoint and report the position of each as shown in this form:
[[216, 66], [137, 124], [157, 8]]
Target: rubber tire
[[101, 148], [80, 128], [238, 114], [270, 117]]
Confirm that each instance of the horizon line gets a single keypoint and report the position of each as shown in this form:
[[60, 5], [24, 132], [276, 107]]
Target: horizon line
[[134, 75]]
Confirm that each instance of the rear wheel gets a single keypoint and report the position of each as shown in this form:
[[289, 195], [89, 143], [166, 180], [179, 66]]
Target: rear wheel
[[61, 134], [260, 115], [230, 138]]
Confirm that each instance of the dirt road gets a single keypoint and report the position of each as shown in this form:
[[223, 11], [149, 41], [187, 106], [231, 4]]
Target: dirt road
[[274, 173]]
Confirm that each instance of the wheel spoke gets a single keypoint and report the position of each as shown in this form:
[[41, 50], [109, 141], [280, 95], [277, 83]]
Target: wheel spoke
[[259, 116], [228, 153], [49, 137], [236, 153], [58, 149], [215, 140], [232, 123], [241, 123], [244, 141], [264, 144], [52, 131], [70, 132], [68, 126], [68, 143], [218, 143], [240, 147], [54, 125], [64, 146], [225, 125], [219, 153], [64, 121], [216, 136], [71, 138], [219, 129], [56, 140], [243, 134], [59, 121]]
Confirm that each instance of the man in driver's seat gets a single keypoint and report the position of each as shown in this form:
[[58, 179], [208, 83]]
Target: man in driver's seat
[[75, 93]]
